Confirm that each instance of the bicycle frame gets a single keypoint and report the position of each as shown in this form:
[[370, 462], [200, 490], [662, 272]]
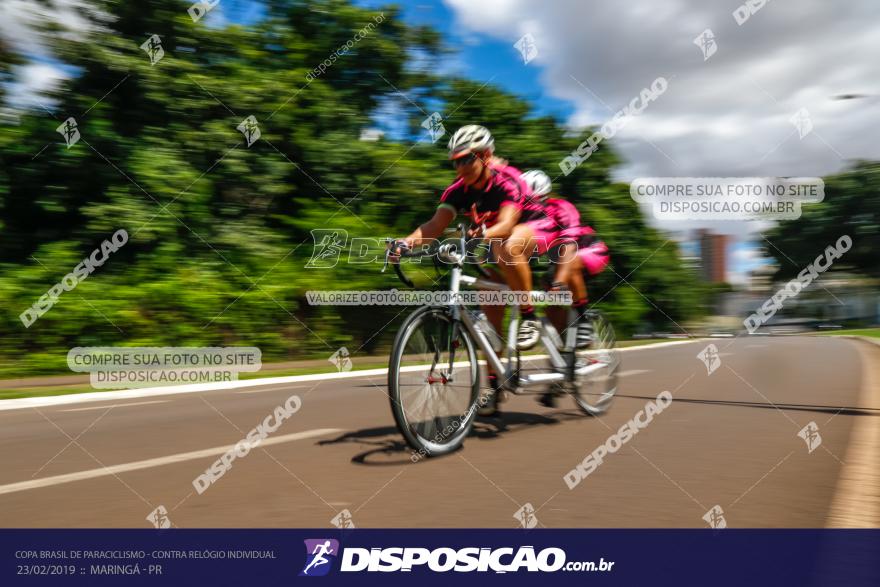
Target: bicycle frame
[[563, 362], [550, 340]]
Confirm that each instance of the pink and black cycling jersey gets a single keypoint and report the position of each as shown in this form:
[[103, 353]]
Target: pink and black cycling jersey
[[593, 254], [567, 220], [504, 188]]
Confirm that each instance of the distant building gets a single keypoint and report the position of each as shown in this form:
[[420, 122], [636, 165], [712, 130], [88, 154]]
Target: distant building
[[713, 256]]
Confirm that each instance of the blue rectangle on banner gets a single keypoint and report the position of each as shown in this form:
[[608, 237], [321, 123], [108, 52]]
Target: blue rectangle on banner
[[596, 557]]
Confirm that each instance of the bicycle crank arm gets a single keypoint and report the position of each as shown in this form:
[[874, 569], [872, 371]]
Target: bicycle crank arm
[[545, 378], [541, 379], [588, 369]]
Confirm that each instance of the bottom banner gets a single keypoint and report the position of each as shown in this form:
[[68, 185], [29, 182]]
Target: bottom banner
[[596, 557]]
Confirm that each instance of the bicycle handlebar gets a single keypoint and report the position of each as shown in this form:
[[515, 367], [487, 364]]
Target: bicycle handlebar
[[408, 255], [446, 251], [406, 280]]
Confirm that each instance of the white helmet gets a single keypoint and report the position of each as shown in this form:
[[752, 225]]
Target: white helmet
[[538, 181], [469, 138]]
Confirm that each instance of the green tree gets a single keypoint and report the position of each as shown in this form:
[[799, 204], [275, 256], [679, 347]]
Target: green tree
[[220, 231], [851, 207]]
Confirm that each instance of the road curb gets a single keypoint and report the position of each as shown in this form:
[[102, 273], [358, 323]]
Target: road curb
[[873, 341], [856, 501]]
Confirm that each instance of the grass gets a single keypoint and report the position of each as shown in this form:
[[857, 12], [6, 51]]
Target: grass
[[374, 363], [70, 389], [46, 391], [871, 332]]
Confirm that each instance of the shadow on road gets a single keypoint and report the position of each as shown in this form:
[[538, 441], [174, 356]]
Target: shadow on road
[[389, 448], [842, 410]]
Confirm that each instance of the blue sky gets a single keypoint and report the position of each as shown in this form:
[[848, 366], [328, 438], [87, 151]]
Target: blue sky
[[481, 57]]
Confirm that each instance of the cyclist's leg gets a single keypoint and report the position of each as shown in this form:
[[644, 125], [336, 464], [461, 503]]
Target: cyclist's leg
[[591, 259], [495, 315], [514, 255], [524, 241], [555, 275], [567, 272], [565, 265], [575, 280], [579, 302], [578, 286]]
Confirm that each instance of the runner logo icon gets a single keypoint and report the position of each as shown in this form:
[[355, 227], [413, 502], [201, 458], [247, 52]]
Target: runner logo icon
[[320, 554]]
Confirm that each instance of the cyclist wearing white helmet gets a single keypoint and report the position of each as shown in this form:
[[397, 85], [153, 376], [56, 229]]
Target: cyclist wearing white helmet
[[500, 205], [574, 251], [539, 182]]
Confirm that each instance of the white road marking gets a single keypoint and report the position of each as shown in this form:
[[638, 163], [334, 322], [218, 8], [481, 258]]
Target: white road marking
[[262, 390], [856, 502], [150, 463], [660, 345], [37, 402], [629, 372], [158, 401]]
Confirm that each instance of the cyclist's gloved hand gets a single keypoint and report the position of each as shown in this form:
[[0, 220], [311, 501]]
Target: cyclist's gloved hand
[[477, 231], [396, 248]]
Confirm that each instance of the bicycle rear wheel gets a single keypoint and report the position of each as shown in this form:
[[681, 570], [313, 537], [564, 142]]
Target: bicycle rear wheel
[[433, 382], [594, 390]]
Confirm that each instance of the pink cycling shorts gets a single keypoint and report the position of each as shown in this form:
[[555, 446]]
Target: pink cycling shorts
[[594, 257], [545, 231]]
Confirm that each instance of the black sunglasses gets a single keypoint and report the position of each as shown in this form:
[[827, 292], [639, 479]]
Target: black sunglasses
[[466, 160]]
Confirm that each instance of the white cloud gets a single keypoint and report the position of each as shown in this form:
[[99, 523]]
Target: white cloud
[[743, 258], [33, 81], [20, 21], [744, 254], [21, 24], [728, 116]]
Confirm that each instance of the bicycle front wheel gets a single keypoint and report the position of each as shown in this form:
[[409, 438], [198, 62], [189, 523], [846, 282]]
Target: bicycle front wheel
[[433, 382], [594, 389]]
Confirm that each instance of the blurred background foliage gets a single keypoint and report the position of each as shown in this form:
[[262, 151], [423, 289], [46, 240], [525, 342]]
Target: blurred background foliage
[[219, 231], [851, 207]]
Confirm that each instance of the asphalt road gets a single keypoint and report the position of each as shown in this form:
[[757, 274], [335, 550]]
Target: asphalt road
[[728, 439]]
